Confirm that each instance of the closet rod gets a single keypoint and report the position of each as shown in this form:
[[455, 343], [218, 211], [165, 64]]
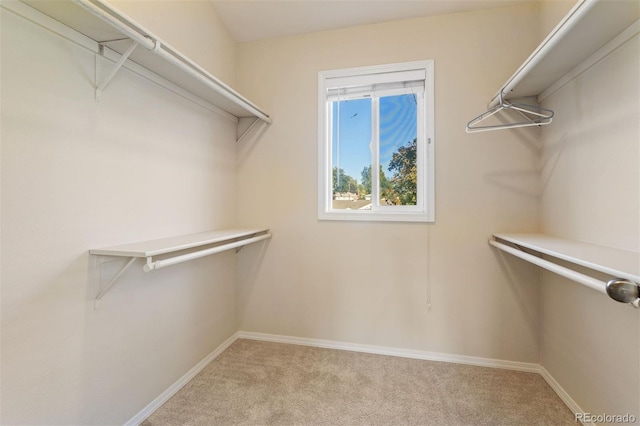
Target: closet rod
[[112, 17], [583, 279], [151, 266]]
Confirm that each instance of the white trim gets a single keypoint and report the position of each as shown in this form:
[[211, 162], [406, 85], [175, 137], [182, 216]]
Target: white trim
[[375, 69], [375, 165], [429, 146], [399, 352], [164, 396], [365, 79], [378, 91], [626, 35], [425, 210], [564, 396]]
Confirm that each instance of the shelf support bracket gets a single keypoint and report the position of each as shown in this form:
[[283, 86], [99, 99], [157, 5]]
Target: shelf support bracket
[[149, 266], [111, 282], [114, 70], [248, 131]]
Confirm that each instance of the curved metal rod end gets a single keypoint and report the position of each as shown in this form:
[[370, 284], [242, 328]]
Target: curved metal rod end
[[624, 291]]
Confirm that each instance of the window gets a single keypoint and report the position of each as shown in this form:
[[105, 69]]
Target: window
[[377, 118]]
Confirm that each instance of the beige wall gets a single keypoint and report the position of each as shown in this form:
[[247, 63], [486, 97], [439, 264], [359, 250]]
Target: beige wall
[[191, 26], [368, 282], [144, 163], [550, 13], [591, 182]]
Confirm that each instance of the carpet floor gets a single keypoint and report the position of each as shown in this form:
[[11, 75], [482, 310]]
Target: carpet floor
[[262, 383]]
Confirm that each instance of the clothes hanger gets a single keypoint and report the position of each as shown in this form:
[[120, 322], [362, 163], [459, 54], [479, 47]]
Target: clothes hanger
[[534, 115]]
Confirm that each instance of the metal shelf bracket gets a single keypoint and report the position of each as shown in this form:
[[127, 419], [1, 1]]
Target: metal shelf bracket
[[112, 281], [193, 246], [100, 87], [247, 132]]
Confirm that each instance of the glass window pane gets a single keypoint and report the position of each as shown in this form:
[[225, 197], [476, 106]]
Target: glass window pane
[[351, 160], [398, 144]]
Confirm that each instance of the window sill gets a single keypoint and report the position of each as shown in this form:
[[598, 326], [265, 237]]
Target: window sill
[[370, 216]]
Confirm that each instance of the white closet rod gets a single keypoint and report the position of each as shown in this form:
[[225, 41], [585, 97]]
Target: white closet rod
[[150, 266], [560, 270], [171, 56], [583, 279], [567, 24]]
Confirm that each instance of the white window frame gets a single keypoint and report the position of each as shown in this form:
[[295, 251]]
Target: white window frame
[[424, 211]]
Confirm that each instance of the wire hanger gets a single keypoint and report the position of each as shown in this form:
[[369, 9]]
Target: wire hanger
[[534, 115]]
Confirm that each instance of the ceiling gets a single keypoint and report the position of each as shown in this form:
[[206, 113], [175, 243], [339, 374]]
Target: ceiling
[[251, 20]]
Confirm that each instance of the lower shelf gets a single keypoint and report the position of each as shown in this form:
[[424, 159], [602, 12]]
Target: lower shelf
[[622, 265], [206, 243]]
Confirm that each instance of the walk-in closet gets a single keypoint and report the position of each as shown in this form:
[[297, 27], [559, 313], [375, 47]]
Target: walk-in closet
[[309, 212]]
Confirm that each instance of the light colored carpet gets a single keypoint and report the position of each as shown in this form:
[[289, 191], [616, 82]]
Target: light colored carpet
[[260, 383]]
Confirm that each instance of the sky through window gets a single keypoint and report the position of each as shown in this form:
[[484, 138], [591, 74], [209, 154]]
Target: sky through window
[[352, 131]]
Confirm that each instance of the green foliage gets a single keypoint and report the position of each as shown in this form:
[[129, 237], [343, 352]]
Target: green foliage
[[401, 189], [386, 188], [387, 191], [365, 174], [342, 182], [405, 174]]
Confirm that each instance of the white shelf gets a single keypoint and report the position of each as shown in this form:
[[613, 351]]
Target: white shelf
[[204, 243], [589, 27], [101, 22], [173, 244], [615, 262]]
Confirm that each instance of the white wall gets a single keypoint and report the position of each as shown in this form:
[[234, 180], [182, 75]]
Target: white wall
[[193, 27], [591, 182], [368, 282], [144, 163]]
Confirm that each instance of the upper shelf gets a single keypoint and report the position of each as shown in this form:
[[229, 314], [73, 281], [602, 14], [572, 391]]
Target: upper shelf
[[103, 24], [173, 244], [615, 262], [588, 27]]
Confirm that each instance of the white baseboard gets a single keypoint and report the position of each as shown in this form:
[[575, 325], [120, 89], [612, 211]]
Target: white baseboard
[[164, 396], [399, 352], [562, 394]]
